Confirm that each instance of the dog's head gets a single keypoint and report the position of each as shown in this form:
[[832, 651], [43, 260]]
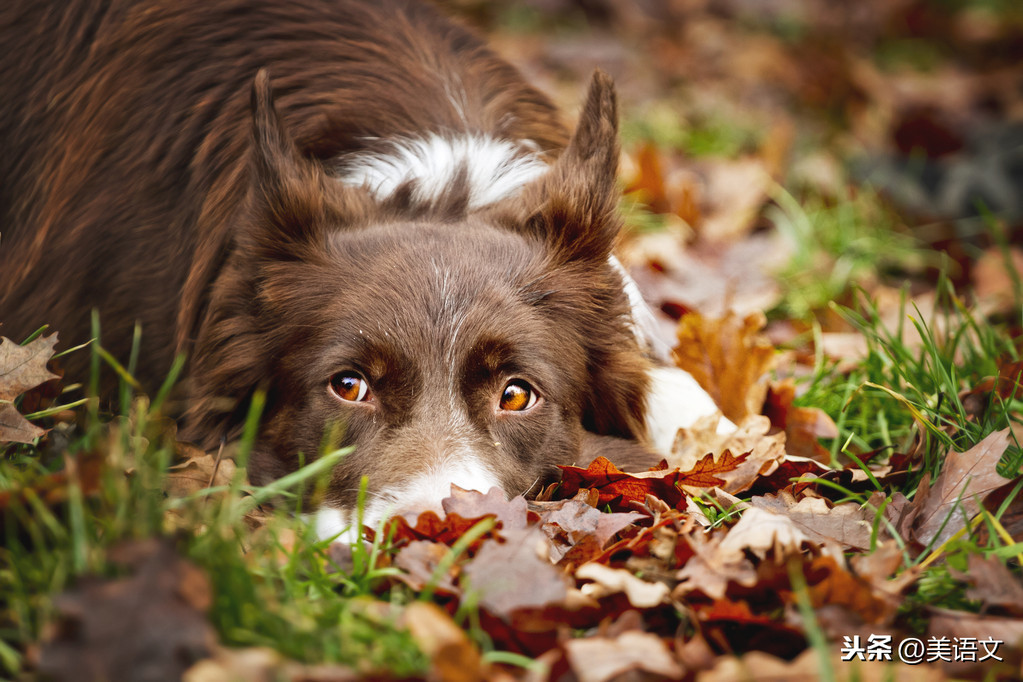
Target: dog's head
[[477, 347]]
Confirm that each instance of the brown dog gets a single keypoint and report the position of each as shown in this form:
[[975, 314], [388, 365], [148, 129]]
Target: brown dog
[[408, 244]]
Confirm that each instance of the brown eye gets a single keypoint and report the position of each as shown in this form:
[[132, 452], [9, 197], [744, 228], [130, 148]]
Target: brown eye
[[518, 396], [350, 386]]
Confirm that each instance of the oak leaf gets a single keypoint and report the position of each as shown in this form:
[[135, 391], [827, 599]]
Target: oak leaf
[[803, 426], [764, 453], [22, 368], [617, 488]]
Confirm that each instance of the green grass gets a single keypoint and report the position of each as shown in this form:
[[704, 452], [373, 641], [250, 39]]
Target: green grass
[[276, 587]]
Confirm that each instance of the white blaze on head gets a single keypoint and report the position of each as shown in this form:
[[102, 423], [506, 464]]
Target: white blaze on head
[[494, 169]]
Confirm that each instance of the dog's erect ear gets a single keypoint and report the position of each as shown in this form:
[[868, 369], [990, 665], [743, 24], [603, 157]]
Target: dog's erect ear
[[574, 205], [293, 199]]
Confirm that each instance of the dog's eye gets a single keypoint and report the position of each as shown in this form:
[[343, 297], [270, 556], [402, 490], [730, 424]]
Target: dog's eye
[[517, 396], [350, 386]]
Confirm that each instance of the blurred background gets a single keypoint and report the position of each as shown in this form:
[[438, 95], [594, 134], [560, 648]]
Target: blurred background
[[781, 155]]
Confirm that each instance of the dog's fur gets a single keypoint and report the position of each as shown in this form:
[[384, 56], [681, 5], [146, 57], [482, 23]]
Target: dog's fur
[[410, 209]]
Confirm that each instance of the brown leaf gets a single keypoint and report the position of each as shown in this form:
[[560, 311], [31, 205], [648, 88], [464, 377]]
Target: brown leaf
[[598, 659], [617, 488], [735, 191], [197, 473], [993, 584], [22, 368], [606, 580], [849, 524], [761, 531], [16, 429], [707, 472], [763, 454], [729, 358], [150, 625], [472, 504], [514, 575], [803, 426], [807, 668], [831, 585], [567, 523], [966, 477], [1007, 632], [709, 570], [419, 559], [452, 654]]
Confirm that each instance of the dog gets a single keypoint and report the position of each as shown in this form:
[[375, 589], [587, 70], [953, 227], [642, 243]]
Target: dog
[[354, 208]]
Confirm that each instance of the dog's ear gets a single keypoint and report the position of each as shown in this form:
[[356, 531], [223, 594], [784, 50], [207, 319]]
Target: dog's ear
[[574, 205], [293, 200]]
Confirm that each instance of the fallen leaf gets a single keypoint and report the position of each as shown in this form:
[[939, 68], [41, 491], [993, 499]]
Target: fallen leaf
[[709, 570], [803, 426], [764, 454], [992, 584], [947, 505], [707, 472], [807, 667], [452, 654], [606, 580], [419, 560], [472, 504], [831, 585], [614, 486], [150, 625], [22, 368], [598, 659], [197, 473], [510, 576], [761, 531], [729, 358], [567, 523], [849, 524]]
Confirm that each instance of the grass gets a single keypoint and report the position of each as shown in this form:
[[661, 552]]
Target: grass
[[904, 395], [277, 587]]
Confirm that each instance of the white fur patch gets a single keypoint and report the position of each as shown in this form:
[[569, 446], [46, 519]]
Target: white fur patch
[[675, 401], [494, 168], [422, 493]]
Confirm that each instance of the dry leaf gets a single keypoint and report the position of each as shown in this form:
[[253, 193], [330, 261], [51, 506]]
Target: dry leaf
[[512, 576], [729, 358], [197, 473], [598, 659], [22, 368], [764, 454], [849, 524], [607, 580], [954, 498], [761, 531], [992, 584], [453, 656], [149, 625]]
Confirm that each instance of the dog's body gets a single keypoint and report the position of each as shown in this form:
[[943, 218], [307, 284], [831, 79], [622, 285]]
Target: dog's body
[[408, 244]]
